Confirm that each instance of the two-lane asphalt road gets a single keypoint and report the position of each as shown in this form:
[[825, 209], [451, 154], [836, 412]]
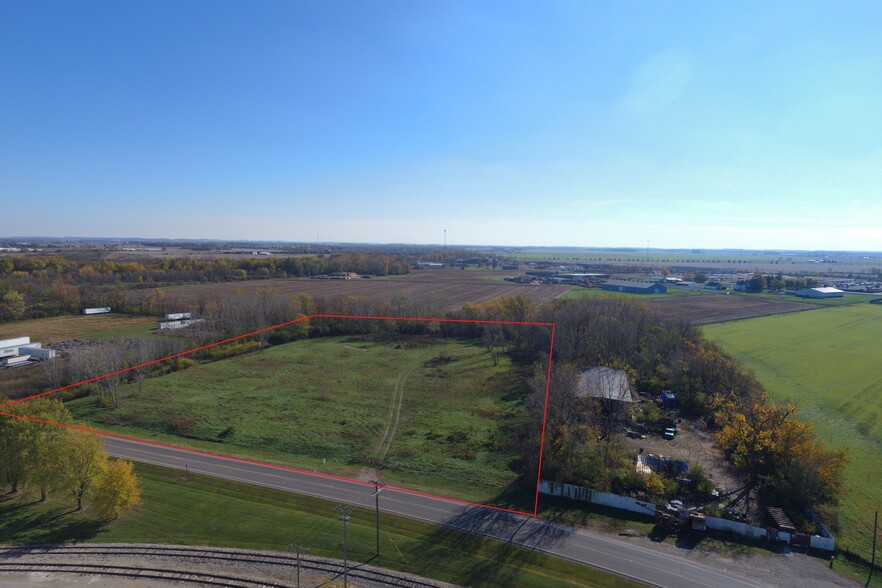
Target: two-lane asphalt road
[[594, 549]]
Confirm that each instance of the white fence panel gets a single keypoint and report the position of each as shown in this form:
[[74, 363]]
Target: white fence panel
[[648, 508], [624, 502], [736, 527], [595, 497]]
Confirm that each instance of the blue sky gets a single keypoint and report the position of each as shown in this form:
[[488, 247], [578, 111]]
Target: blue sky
[[678, 124]]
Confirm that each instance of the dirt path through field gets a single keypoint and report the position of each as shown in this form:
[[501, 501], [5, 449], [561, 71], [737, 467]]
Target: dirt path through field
[[370, 474], [394, 414]]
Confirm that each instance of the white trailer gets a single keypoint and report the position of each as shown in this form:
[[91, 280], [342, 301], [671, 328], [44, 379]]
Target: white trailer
[[14, 361], [177, 316], [17, 342], [97, 310], [36, 351]]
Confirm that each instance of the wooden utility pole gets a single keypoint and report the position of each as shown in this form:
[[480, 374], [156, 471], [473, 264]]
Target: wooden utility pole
[[300, 550], [379, 488]]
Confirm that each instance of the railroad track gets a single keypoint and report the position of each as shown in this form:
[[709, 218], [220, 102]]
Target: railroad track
[[326, 567], [138, 572]]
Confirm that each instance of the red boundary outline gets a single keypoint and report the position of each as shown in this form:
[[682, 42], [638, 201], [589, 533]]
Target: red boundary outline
[[281, 467]]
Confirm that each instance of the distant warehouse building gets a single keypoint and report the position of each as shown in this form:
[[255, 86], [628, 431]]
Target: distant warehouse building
[[820, 293], [633, 287]]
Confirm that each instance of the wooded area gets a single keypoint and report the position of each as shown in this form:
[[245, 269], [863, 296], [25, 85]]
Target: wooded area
[[52, 458]]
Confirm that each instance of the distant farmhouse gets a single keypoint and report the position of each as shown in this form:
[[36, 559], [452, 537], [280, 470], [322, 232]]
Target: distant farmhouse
[[632, 287], [820, 293], [604, 383]]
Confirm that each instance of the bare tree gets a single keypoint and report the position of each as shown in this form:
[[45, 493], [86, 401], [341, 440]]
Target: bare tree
[[493, 338], [54, 371]]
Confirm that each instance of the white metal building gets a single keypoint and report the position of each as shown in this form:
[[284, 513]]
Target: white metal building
[[820, 292]]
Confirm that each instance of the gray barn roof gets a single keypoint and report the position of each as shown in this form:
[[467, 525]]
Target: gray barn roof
[[606, 383]]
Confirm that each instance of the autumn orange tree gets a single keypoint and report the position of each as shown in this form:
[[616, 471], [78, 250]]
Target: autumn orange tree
[[803, 469], [768, 442]]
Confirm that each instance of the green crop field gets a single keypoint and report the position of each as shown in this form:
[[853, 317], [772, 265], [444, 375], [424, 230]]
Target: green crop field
[[829, 361], [844, 300], [435, 415]]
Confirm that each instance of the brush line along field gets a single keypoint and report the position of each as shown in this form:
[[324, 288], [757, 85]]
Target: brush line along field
[[830, 363], [430, 415]]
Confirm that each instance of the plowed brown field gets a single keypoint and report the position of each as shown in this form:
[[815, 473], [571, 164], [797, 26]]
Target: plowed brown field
[[449, 289], [719, 308]]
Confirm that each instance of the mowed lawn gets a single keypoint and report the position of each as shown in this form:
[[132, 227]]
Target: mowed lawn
[[432, 416], [829, 361], [63, 328]]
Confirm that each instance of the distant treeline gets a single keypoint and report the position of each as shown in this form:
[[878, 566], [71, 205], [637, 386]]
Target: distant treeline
[[38, 286]]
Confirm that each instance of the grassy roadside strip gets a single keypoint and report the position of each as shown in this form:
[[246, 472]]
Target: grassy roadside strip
[[200, 510]]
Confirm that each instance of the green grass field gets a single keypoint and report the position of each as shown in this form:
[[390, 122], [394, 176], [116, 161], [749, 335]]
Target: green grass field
[[207, 511], [829, 361], [433, 416], [847, 299]]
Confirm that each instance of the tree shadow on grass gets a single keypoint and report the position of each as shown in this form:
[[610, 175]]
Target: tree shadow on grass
[[578, 513], [25, 521]]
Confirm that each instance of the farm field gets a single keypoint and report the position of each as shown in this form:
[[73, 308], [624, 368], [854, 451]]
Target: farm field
[[599, 294], [700, 307], [447, 289], [62, 328], [717, 308], [740, 261], [830, 363], [435, 416]]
